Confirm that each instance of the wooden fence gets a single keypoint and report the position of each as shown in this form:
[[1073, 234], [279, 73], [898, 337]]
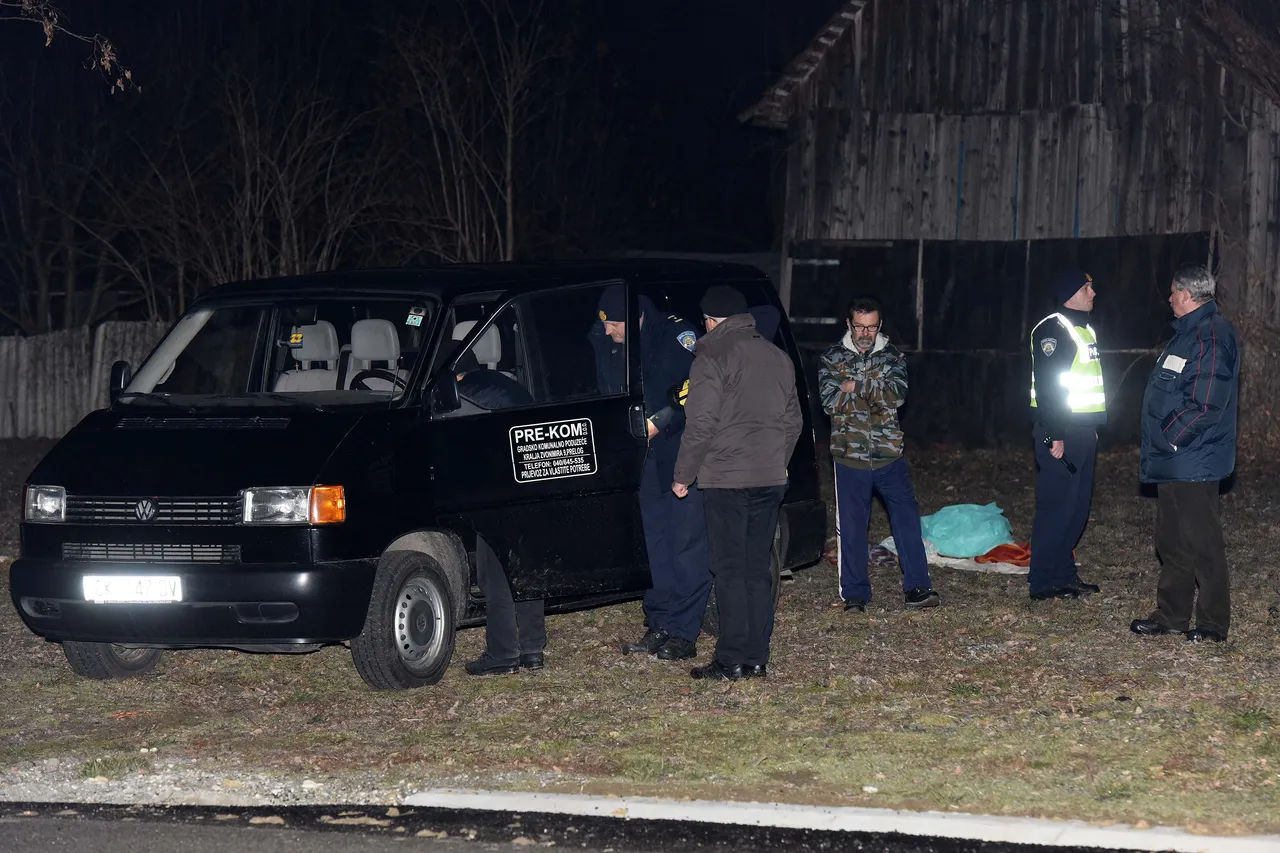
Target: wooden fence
[[49, 382]]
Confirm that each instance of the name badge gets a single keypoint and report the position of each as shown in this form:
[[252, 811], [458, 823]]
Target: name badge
[[1174, 363]]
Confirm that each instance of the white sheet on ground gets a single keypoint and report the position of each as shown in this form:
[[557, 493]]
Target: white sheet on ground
[[964, 564]]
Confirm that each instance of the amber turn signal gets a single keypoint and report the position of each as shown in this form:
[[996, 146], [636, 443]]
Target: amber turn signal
[[328, 505]]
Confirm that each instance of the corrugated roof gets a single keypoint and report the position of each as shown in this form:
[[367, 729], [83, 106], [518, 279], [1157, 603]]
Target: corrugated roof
[[771, 109]]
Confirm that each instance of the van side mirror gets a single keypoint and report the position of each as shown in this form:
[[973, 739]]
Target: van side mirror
[[444, 392], [120, 376]]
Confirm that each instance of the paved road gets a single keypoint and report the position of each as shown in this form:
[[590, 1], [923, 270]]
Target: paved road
[[46, 828]]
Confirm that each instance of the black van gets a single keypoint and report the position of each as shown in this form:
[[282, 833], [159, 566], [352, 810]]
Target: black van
[[293, 466]]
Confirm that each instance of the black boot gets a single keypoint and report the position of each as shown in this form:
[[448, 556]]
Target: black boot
[[1149, 628], [653, 639], [677, 648], [485, 665], [716, 671]]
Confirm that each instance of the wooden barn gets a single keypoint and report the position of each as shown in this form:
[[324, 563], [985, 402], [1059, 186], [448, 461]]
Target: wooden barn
[[948, 155]]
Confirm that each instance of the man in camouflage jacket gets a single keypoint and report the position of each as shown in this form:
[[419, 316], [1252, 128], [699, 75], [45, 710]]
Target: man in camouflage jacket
[[863, 382]]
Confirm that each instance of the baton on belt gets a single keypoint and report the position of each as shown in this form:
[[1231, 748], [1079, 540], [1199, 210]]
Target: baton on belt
[[1071, 468]]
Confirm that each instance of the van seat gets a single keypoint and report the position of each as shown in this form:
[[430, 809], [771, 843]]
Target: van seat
[[319, 346], [375, 343]]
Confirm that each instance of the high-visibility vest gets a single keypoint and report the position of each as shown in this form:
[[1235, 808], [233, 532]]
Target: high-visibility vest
[[1085, 392]]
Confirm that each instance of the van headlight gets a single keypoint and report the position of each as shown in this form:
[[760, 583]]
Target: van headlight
[[294, 505], [45, 504]]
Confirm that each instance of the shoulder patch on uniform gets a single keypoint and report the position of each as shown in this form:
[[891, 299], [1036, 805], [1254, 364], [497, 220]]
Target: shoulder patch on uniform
[[687, 339], [1049, 345]]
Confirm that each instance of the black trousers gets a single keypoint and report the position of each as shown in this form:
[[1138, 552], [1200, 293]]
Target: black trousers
[[740, 527], [1193, 558], [1062, 507], [511, 628]]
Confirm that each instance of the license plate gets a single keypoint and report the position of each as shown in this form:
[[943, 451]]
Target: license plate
[[132, 588]]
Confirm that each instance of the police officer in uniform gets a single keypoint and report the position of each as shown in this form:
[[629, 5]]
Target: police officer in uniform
[[675, 530], [1069, 403]]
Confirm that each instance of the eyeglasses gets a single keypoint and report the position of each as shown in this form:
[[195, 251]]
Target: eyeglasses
[[874, 328]]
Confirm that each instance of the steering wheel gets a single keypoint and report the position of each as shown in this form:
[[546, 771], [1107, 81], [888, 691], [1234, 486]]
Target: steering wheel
[[358, 381]]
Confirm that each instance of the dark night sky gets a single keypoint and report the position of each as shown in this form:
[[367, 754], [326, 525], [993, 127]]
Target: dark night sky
[[686, 68]]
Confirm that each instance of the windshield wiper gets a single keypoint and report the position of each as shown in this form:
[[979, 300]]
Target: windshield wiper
[[153, 397]]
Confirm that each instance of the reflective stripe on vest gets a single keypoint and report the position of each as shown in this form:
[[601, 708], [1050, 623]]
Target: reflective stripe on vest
[[1085, 391]]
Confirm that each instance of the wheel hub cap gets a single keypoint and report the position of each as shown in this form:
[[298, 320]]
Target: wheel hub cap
[[418, 612]]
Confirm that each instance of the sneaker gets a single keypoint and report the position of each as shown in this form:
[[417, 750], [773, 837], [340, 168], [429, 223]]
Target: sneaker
[[532, 660], [857, 605], [922, 597]]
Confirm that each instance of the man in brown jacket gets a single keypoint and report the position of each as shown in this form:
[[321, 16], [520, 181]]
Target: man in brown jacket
[[742, 421]]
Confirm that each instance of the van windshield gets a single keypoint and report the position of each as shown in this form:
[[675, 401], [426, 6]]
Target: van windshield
[[315, 352]]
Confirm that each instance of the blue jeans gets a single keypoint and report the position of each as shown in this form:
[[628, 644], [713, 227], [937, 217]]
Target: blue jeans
[[675, 535], [854, 488]]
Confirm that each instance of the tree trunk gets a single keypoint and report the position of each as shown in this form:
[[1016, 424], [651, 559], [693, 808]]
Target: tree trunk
[[1259, 403], [509, 249]]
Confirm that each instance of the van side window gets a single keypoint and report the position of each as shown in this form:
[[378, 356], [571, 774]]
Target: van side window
[[576, 360], [493, 373]]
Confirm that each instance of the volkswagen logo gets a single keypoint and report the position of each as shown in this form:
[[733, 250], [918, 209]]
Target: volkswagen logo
[[145, 510]]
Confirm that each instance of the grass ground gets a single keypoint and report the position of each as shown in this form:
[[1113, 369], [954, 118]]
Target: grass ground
[[991, 704]]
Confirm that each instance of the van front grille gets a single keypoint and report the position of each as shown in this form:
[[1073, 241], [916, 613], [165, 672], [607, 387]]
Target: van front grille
[[153, 510], [150, 552]]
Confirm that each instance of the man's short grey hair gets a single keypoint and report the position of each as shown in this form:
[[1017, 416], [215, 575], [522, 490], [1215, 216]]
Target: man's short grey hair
[[1196, 280]]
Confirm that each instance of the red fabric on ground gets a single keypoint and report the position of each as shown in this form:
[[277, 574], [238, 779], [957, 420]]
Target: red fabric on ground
[[1016, 553]]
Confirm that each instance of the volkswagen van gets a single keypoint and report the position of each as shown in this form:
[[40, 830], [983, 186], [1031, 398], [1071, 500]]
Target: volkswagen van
[[293, 466]]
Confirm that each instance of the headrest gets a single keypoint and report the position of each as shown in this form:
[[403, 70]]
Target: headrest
[[488, 348], [319, 343], [375, 340]]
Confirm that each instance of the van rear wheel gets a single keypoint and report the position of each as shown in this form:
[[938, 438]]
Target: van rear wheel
[[408, 633], [711, 618], [107, 661]]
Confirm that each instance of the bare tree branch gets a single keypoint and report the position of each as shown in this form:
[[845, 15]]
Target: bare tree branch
[[51, 20]]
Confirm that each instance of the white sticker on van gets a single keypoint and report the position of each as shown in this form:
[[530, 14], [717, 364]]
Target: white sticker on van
[[553, 450]]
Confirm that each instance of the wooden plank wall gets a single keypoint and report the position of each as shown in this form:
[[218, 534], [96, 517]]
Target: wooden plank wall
[[994, 120], [49, 382], [1082, 172], [1011, 56]]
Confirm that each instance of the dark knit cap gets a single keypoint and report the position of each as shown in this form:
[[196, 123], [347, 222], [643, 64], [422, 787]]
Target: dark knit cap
[[722, 301], [1067, 282], [613, 304]]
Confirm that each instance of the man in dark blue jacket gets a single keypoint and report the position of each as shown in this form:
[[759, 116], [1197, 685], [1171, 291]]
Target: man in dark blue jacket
[[675, 531], [1188, 447]]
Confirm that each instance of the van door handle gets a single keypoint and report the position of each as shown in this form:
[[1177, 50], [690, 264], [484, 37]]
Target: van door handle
[[639, 428]]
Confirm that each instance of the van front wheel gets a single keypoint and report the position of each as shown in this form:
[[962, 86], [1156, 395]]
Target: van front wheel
[[408, 633], [106, 661]]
